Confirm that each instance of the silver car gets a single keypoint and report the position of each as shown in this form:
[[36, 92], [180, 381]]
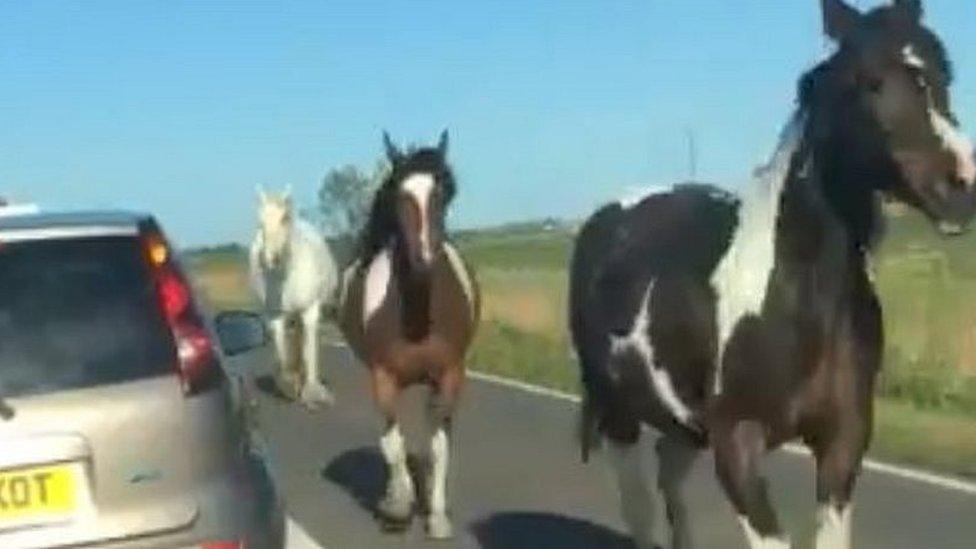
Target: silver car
[[119, 425]]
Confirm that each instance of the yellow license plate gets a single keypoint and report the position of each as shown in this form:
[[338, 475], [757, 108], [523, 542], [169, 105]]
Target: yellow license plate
[[37, 494]]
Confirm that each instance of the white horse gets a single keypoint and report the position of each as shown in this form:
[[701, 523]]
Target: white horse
[[294, 275]]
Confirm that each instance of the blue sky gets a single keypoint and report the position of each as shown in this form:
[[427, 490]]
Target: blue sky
[[181, 107]]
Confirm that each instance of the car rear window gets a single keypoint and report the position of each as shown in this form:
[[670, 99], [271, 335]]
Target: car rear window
[[78, 313]]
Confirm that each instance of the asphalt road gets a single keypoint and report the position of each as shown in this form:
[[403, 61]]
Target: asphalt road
[[516, 479]]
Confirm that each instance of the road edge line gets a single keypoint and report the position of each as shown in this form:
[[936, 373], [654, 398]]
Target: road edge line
[[948, 483]]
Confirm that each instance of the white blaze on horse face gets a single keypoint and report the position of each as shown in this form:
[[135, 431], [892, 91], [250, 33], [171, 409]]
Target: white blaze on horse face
[[463, 276], [953, 140], [741, 278], [377, 285], [757, 540], [638, 341], [419, 186], [833, 527], [958, 144]]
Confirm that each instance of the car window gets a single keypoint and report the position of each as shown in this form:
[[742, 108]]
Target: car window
[[78, 313]]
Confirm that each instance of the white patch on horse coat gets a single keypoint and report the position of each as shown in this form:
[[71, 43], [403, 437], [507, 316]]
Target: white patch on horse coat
[[638, 340], [419, 186], [463, 276], [758, 541], [958, 144], [740, 280], [438, 471], [911, 58], [833, 527], [394, 452], [377, 284], [634, 195]]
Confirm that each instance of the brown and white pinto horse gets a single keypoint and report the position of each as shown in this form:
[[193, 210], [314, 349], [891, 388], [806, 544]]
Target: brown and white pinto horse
[[744, 322], [409, 309]]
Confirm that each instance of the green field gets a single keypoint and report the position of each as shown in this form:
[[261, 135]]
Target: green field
[[926, 413]]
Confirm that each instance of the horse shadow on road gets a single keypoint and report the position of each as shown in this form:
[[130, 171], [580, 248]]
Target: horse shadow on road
[[536, 529], [267, 385], [361, 473]]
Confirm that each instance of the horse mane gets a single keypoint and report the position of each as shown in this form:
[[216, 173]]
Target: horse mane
[[845, 144], [381, 226]]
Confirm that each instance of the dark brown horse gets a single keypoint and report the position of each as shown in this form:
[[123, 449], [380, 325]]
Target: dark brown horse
[[744, 322], [409, 309]]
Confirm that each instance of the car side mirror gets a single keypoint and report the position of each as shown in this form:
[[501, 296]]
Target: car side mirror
[[240, 332]]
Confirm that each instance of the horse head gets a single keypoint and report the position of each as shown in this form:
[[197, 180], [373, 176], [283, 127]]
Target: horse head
[[412, 202], [886, 93], [274, 226]]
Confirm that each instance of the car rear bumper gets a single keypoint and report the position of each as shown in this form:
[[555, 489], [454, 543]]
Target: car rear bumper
[[241, 506]]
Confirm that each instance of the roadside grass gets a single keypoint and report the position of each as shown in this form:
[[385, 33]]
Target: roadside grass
[[926, 406]]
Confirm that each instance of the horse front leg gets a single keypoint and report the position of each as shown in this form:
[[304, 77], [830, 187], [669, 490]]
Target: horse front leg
[[838, 464], [739, 448], [314, 393], [283, 376], [397, 506], [440, 409]]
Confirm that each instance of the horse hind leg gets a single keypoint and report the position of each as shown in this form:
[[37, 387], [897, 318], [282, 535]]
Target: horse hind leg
[[739, 447], [314, 393], [676, 456], [637, 502]]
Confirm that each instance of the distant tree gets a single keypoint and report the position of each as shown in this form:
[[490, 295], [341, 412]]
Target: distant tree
[[345, 197]]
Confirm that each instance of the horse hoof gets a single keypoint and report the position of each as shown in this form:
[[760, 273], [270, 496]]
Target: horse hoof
[[439, 527], [391, 526], [394, 512], [316, 396], [286, 386]]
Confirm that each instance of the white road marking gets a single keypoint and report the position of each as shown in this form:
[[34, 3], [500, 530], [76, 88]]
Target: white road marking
[[297, 538], [932, 479]]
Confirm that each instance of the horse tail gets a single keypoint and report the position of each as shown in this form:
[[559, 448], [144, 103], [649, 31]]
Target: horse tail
[[589, 429], [589, 255]]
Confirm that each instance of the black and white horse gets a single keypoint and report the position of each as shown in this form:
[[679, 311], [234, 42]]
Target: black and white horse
[[744, 322]]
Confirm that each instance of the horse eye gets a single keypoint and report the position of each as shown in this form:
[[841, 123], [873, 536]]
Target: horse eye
[[875, 85]]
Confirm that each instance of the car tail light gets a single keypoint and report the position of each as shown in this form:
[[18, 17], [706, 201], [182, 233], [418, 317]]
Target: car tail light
[[197, 363], [223, 545]]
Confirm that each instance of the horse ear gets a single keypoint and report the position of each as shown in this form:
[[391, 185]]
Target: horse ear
[[911, 9], [286, 195], [442, 143], [262, 194], [839, 19], [392, 152]]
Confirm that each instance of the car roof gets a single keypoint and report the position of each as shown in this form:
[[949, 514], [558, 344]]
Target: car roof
[[38, 226]]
